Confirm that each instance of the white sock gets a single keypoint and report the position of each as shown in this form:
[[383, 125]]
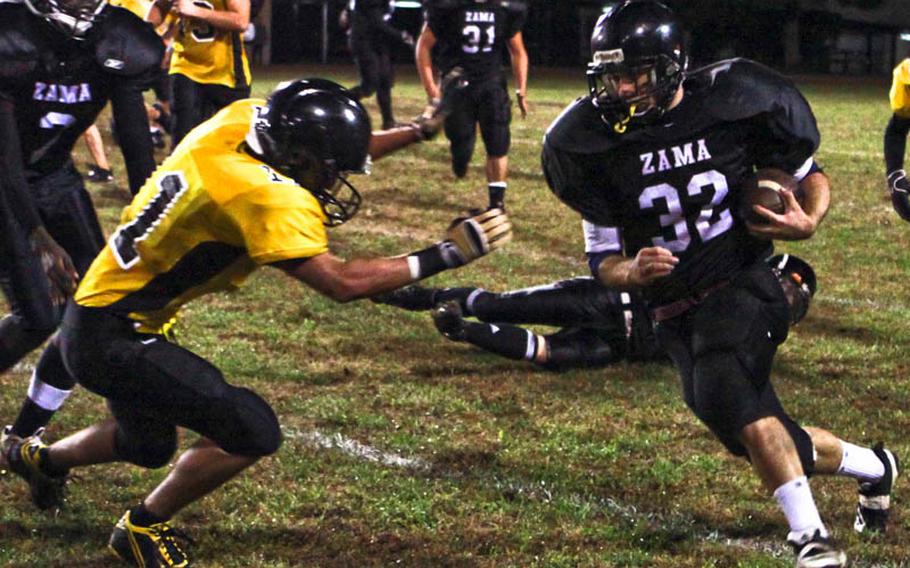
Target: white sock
[[46, 396], [795, 500], [860, 463]]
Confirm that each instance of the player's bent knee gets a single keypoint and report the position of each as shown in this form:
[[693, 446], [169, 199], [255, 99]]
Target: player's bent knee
[[255, 430], [150, 453]]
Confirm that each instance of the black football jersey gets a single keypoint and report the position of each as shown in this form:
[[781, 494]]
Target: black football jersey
[[474, 34], [675, 183], [59, 86]]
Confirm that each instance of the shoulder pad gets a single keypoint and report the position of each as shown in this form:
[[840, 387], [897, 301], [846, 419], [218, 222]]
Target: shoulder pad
[[514, 6], [19, 44], [126, 45], [736, 89], [579, 128]]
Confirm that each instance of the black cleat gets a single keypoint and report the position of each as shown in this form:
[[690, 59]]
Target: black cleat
[[148, 547], [449, 321], [414, 298], [818, 552], [24, 457], [875, 498], [99, 175]]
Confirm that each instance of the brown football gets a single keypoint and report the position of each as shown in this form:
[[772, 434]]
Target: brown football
[[763, 188]]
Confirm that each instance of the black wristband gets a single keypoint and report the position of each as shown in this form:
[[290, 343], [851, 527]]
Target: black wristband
[[426, 262]]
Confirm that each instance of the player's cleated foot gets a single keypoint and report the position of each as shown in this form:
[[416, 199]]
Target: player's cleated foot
[[413, 298], [449, 321], [24, 457], [819, 552], [875, 498], [148, 547], [99, 175]]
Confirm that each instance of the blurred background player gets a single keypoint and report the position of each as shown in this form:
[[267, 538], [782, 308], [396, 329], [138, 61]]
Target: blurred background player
[[896, 140], [256, 185], [473, 35], [209, 65], [372, 39], [61, 64], [600, 326]]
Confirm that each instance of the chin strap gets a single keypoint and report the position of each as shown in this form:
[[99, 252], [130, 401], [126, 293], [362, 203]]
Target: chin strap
[[623, 124]]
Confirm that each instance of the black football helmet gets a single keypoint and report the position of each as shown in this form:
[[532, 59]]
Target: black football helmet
[[314, 132], [73, 17], [639, 41], [798, 281]]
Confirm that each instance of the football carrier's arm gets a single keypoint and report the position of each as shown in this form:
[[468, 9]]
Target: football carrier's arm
[[467, 239]]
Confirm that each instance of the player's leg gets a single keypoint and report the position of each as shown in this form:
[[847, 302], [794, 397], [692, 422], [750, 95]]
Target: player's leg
[[732, 394], [187, 109], [70, 218], [495, 118], [875, 469], [461, 130], [571, 302], [368, 66], [385, 80], [506, 340]]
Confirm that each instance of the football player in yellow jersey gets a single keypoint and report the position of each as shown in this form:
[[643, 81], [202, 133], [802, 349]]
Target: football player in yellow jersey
[[209, 65], [896, 140], [255, 185]]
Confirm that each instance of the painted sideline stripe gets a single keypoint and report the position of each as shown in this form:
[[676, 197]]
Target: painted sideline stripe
[[354, 448]]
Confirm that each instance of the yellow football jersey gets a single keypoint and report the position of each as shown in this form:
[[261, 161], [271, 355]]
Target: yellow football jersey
[[207, 55], [204, 221], [900, 89], [139, 7]]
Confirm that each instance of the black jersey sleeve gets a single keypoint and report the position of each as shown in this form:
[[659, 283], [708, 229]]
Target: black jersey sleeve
[[19, 52], [127, 46], [784, 128], [518, 15], [896, 143], [12, 176], [128, 107]]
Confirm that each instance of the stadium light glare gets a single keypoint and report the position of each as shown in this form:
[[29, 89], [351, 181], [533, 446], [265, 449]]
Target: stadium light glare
[[406, 4], [905, 36]]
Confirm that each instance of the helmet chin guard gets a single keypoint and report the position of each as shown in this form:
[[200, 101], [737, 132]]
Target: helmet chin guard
[[74, 18]]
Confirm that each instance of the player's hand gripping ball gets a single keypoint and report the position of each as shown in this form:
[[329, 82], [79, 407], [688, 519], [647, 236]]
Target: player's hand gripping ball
[[764, 188]]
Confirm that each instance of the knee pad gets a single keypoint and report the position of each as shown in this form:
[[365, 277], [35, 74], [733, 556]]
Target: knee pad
[[150, 452], [573, 348], [254, 428]]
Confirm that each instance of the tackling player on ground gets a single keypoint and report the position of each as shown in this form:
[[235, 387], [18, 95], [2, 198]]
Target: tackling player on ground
[[60, 64], [256, 185], [600, 326], [653, 159]]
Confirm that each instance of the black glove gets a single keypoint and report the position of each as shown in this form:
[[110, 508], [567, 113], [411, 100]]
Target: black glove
[[56, 263], [900, 193], [451, 90]]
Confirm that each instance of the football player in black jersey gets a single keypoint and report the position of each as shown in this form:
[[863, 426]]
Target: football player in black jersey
[[60, 64], [653, 159], [371, 41], [472, 34], [896, 140], [600, 326]]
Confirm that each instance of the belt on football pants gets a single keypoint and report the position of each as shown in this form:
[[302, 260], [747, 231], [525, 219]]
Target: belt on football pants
[[679, 307]]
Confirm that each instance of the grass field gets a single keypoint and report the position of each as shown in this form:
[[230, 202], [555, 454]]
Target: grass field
[[404, 449]]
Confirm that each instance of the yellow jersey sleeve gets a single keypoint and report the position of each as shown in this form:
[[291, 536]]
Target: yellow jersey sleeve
[[280, 221], [900, 89]]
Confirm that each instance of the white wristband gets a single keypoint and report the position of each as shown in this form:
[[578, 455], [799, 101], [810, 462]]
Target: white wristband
[[414, 267]]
